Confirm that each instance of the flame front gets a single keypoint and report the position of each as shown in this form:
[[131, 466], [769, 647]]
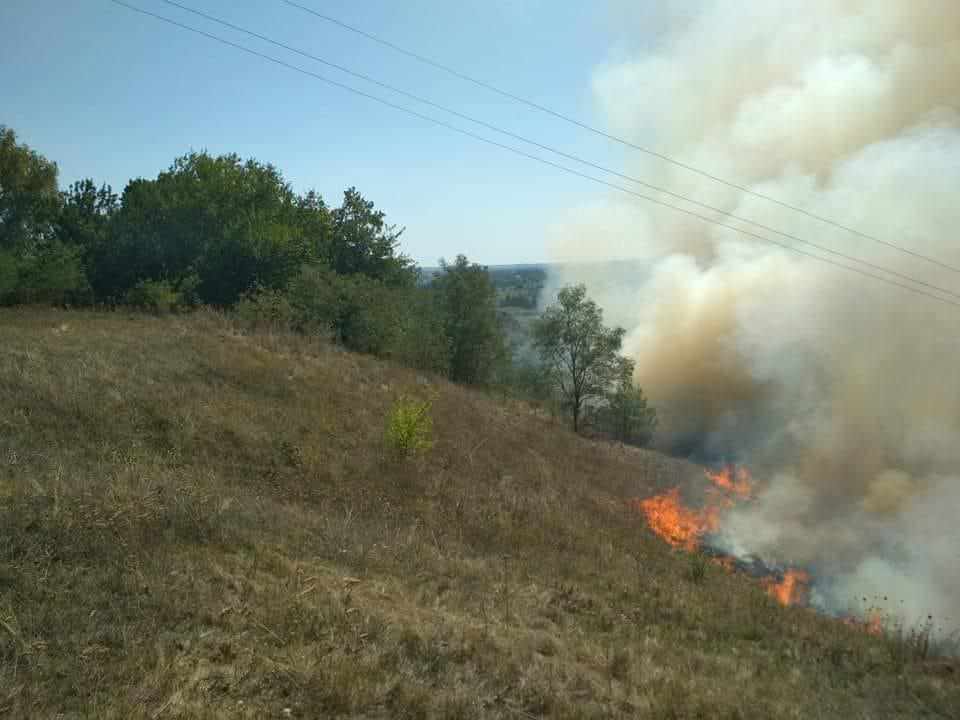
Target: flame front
[[791, 590], [735, 480], [675, 523], [684, 527]]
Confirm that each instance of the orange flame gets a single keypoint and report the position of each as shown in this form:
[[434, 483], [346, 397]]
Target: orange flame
[[675, 523], [684, 527], [791, 590], [871, 623], [735, 480]]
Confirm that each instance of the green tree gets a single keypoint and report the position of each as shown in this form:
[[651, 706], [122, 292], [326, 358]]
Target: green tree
[[361, 242], [627, 416], [229, 223], [420, 339], [85, 212], [315, 224], [578, 351], [469, 303], [35, 265], [84, 222], [29, 200]]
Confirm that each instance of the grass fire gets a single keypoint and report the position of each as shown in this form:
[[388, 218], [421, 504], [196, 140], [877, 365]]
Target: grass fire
[[220, 544], [637, 397], [693, 529]]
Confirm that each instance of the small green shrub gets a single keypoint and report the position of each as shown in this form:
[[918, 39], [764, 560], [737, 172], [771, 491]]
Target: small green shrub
[[410, 427], [157, 296]]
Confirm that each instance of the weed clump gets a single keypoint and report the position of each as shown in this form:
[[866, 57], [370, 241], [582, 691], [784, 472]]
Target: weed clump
[[409, 427]]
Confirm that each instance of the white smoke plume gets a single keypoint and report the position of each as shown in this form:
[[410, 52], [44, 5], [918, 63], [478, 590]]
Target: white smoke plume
[[843, 392]]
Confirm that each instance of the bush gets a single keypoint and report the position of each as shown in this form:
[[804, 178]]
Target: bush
[[627, 416], [420, 340], [410, 427], [261, 308], [157, 296], [51, 273], [361, 313], [9, 273], [530, 381]]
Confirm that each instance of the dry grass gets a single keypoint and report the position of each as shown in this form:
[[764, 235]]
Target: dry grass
[[200, 524]]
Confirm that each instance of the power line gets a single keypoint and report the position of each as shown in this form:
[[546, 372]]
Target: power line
[[609, 136], [560, 153], [535, 158]]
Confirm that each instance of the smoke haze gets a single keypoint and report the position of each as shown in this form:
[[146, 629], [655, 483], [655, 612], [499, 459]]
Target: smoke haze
[[839, 390]]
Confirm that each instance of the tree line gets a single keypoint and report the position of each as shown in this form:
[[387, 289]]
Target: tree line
[[230, 233]]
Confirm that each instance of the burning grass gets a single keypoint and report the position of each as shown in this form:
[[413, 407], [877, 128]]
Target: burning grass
[[791, 589], [677, 524], [687, 528], [200, 523]]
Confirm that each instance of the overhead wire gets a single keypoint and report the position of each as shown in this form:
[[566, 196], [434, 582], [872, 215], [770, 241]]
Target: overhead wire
[[556, 151], [614, 138], [522, 153]]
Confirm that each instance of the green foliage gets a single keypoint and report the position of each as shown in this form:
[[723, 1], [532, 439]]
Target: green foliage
[[84, 222], [409, 427], [359, 312], [263, 307], [230, 232], [9, 274], [35, 266], [578, 351], [157, 296], [230, 222], [315, 296], [529, 381], [361, 242], [420, 339], [368, 314], [51, 272], [469, 303], [28, 195], [209, 230], [626, 416]]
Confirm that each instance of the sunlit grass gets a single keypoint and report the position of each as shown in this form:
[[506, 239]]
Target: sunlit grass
[[200, 523]]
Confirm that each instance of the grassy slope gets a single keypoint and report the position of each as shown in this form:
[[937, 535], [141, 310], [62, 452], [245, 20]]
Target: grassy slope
[[195, 523]]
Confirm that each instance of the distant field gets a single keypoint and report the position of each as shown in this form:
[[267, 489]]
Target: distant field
[[200, 523]]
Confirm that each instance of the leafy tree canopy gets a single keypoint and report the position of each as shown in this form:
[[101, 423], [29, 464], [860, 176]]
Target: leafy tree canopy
[[578, 351], [28, 195], [627, 416], [361, 242], [469, 303]]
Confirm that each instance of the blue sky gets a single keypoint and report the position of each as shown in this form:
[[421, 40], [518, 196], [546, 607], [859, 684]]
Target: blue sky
[[110, 94]]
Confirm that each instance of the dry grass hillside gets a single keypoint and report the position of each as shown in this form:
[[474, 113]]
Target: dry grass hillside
[[198, 523]]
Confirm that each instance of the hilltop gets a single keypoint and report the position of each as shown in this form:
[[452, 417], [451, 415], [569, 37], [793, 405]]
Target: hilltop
[[200, 522]]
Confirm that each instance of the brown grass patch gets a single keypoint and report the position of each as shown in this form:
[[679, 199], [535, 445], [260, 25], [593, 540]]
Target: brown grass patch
[[200, 523]]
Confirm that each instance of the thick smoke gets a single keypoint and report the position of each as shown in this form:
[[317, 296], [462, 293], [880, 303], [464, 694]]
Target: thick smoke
[[841, 391]]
